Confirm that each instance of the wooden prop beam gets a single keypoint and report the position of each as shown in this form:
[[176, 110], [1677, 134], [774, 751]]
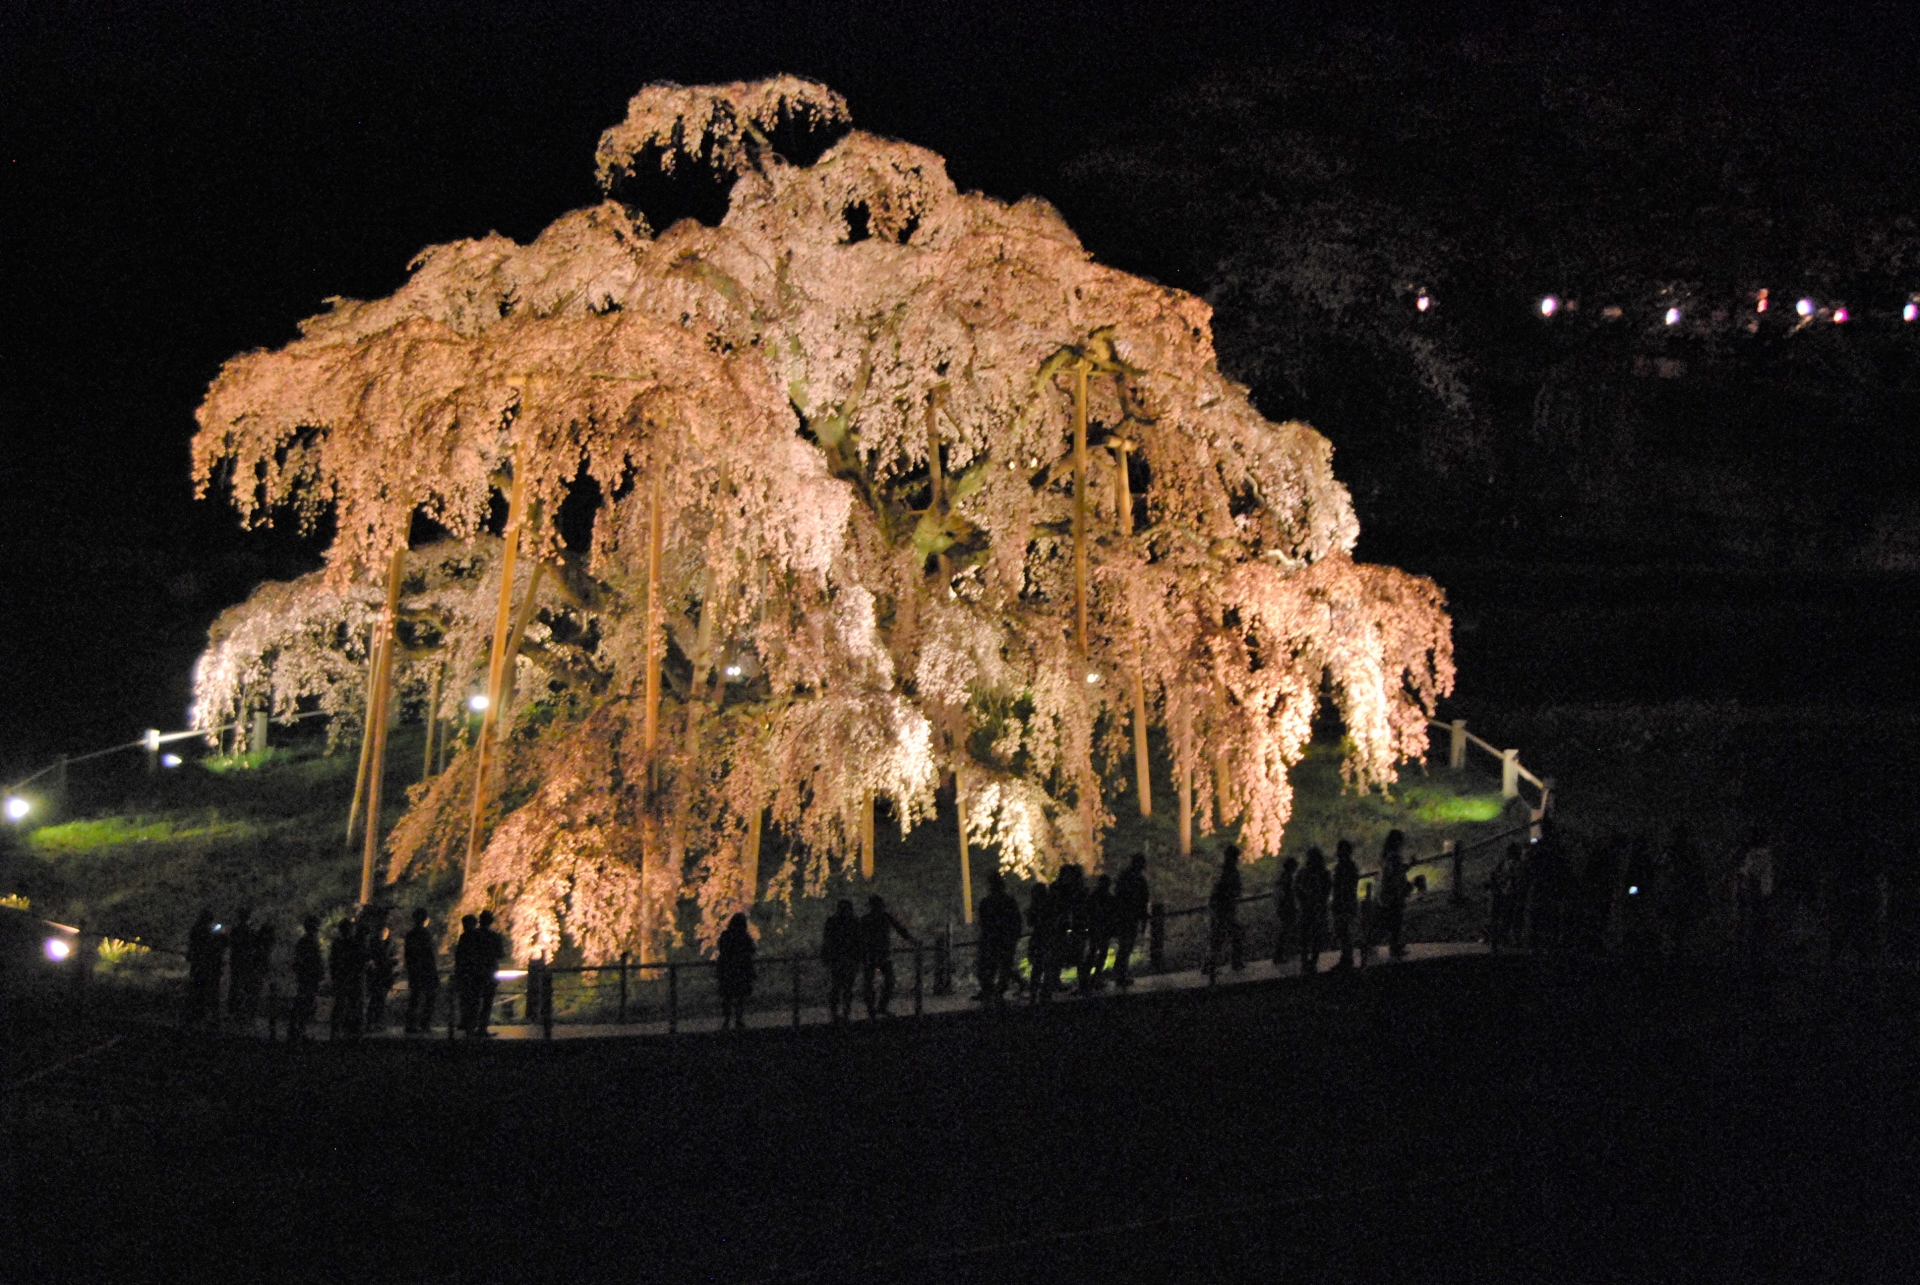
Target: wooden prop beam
[[496, 672], [366, 742], [1080, 505], [867, 837], [656, 542], [433, 719], [1123, 506], [380, 705], [750, 856], [966, 860]]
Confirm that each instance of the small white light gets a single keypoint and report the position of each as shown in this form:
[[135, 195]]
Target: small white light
[[1673, 316], [1633, 890], [169, 760], [1422, 303], [1804, 307], [17, 808], [1841, 316], [57, 949], [1092, 677], [1760, 305], [1911, 312], [1549, 305], [732, 671], [477, 703]]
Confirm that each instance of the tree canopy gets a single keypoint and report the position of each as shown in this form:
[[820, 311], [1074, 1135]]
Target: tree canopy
[[889, 483]]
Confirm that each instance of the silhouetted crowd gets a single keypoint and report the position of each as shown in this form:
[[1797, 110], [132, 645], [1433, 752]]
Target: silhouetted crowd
[[358, 967]]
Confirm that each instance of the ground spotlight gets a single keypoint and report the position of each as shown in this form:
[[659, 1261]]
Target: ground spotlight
[[1911, 312], [169, 760], [1673, 316], [1804, 307], [1549, 305], [1422, 303], [57, 949], [17, 808], [1841, 316]]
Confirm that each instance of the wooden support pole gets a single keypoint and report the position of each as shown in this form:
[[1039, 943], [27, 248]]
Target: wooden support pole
[[1080, 505], [433, 719], [936, 473], [966, 860], [496, 673], [366, 741], [379, 706], [867, 837], [750, 856], [521, 619], [1123, 514], [1183, 772], [656, 540]]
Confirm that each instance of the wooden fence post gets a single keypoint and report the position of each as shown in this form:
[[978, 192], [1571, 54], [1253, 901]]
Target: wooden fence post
[[546, 1002], [1458, 895], [673, 999], [1457, 744], [622, 1018], [793, 969], [1157, 936], [1509, 774]]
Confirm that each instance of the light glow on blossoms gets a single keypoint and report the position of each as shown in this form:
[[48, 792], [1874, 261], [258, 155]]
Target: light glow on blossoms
[[792, 489]]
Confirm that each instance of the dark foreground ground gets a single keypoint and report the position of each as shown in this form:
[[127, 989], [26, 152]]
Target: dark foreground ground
[[1478, 1119]]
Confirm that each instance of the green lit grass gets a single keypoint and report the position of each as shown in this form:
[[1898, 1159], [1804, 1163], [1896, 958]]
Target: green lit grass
[[101, 833]]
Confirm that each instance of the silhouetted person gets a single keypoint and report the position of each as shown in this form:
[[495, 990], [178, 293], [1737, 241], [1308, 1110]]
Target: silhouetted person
[[1069, 946], [1502, 893], [1286, 912], [733, 969], [489, 950], [877, 927], [1546, 880], [1344, 901], [1131, 904], [239, 964], [999, 940], [466, 972], [1312, 887], [205, 945], [1040, 934], [307, 972], [422, 962], [1102, 910], [840, 952], [1223, 914], [1752, 893], [347, 969], [1686, 892], [1393, 893], [382, 967]]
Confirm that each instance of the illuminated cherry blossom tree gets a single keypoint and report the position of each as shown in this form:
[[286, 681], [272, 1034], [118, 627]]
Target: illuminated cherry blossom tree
[[894, 486]]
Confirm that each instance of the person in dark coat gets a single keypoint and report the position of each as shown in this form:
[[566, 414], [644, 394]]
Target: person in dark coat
[[239, 966], [1344, 902], [466, 972], [205, 947], [877, 927], [347, 967], [1393, 893], [421, 958], [1101, 911], [382, 967], [307, 972], [489, 951], [1286, 912], [1223, 915], [1069, 947], [1040, 934], [840, 952], [999, 940], [1503, 887], [1131, 906], [1312, 887], [733, 969]]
